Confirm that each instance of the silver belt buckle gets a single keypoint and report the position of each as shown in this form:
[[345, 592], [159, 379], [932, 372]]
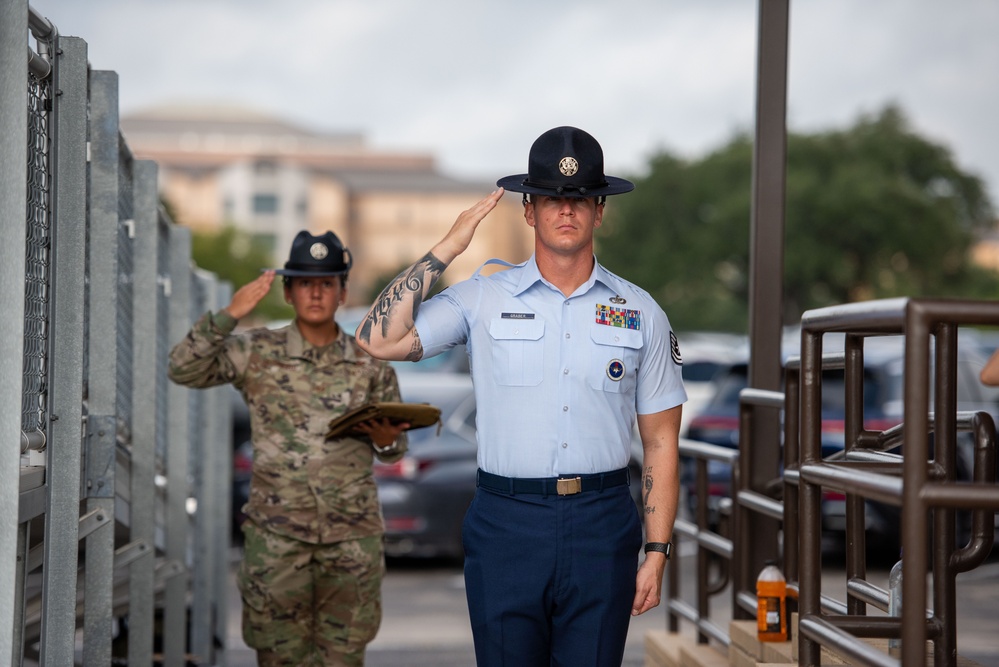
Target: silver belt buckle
[[568, 486]]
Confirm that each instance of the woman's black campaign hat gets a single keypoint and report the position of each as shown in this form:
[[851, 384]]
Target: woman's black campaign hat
[[566, 162], [316, 256]]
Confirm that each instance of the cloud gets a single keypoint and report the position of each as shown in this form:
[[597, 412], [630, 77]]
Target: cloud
[[475, 82]]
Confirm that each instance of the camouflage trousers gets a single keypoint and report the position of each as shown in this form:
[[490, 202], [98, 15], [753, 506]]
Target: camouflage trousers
[[310, 604]]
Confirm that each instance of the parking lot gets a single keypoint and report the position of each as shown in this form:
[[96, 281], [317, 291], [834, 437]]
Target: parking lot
[[425, 620], [426, 623]]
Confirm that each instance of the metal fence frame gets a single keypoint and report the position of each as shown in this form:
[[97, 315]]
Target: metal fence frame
[[119, 490], [921, 482]]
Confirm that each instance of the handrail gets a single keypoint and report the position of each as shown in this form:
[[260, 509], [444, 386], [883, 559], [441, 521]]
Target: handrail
[[919, 482], [40, 26], [44, 31]]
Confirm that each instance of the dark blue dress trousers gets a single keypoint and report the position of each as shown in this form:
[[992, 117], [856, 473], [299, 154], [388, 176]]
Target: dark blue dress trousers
[[550, 579]]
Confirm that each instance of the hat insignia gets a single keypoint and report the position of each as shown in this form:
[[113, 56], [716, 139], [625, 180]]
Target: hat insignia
[[568, 166], [319, 251]]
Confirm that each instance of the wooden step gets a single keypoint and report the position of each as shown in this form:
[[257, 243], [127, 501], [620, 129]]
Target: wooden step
[[670, 649]]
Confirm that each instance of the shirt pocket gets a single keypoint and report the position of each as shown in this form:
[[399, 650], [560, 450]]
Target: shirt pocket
[[615, 355], [518, 351]]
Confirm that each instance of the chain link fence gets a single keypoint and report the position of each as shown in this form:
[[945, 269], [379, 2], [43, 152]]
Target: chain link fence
[[114, 508]]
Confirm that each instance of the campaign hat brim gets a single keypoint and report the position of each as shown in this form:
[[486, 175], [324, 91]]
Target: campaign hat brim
[[292, 273], [521, 183]]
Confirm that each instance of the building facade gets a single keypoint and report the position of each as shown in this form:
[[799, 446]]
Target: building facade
[[270, 178]]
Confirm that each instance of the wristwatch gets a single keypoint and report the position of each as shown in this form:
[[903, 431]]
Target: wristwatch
[[665, 548], [387, 448]]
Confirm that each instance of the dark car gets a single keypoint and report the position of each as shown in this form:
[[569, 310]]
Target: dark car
[[718, 424], [425, 494]]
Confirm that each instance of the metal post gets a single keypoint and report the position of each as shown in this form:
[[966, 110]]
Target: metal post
[[13, 210], [143, 468], [222, 506], [856, 533], [102, 383], [202, 622], [810, 494], [944, 518], [66, 335], [916, 397], [177, 522], [766, 253]]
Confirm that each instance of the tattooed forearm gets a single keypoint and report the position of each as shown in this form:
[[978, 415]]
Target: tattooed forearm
[[647, 483], [422, 277], [415, 352], [417, 280]]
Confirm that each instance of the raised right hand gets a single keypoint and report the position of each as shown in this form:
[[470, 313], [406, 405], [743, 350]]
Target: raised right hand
[[249, 295], [460, 234]]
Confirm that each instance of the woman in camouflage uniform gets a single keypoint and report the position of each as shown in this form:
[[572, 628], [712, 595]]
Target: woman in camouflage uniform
[[313, 561]]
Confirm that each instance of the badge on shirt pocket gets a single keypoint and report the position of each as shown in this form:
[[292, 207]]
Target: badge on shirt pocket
[[614, 357]]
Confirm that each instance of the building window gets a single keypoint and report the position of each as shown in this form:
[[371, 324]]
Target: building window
[[265, 204], [265, 167]]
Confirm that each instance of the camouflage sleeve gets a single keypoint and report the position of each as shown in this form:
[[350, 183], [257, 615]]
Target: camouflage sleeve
[[209, 355], [386, 388]]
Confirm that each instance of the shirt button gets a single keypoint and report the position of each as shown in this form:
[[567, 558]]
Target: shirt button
[[565, 408], [565, 371], [564, 445], [568, 336]]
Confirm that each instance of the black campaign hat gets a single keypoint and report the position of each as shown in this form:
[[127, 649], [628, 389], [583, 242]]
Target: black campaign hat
[[317, 256], [566, 162]]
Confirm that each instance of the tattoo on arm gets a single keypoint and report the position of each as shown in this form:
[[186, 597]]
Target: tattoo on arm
[[417, 280], [415, 352], [647, 483]]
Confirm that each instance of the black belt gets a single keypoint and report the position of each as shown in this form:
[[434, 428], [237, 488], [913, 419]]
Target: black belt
[[564, 486]]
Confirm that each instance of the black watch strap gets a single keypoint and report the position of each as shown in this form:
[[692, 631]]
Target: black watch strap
[[662, 547]]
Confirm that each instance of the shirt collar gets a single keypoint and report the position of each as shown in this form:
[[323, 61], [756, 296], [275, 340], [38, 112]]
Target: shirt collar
[[531, 274], [298, 347]]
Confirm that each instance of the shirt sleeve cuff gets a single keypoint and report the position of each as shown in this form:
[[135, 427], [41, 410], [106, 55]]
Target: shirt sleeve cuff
[[224, 322]]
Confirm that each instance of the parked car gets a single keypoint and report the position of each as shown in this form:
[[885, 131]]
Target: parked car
[[242, 460], [718, 424], [706, 354], [425, 494]]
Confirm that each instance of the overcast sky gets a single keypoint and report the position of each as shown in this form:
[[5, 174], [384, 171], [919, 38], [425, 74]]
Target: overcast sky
[[474, 83]]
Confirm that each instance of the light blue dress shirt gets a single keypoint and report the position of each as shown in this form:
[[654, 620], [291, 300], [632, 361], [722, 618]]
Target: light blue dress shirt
[[558, 380]]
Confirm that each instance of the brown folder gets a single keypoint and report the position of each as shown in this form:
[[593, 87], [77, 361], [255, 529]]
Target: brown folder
[[418, 415]]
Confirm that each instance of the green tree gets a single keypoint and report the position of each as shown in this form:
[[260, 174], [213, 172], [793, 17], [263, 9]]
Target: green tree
[[238, 257], [873, 211]]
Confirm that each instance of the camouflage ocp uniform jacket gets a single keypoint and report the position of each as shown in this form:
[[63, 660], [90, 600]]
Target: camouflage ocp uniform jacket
[[303, 486]]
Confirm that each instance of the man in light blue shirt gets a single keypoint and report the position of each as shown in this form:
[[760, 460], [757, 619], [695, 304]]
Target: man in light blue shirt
[[565, 356]]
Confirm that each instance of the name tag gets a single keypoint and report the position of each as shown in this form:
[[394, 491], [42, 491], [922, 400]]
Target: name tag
[[517, 316]]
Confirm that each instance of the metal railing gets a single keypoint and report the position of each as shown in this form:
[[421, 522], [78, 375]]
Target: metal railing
[[114, 506], [922, 482]]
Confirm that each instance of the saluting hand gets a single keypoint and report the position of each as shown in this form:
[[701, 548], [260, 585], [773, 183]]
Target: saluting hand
[[249, 295], [464, 227]]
